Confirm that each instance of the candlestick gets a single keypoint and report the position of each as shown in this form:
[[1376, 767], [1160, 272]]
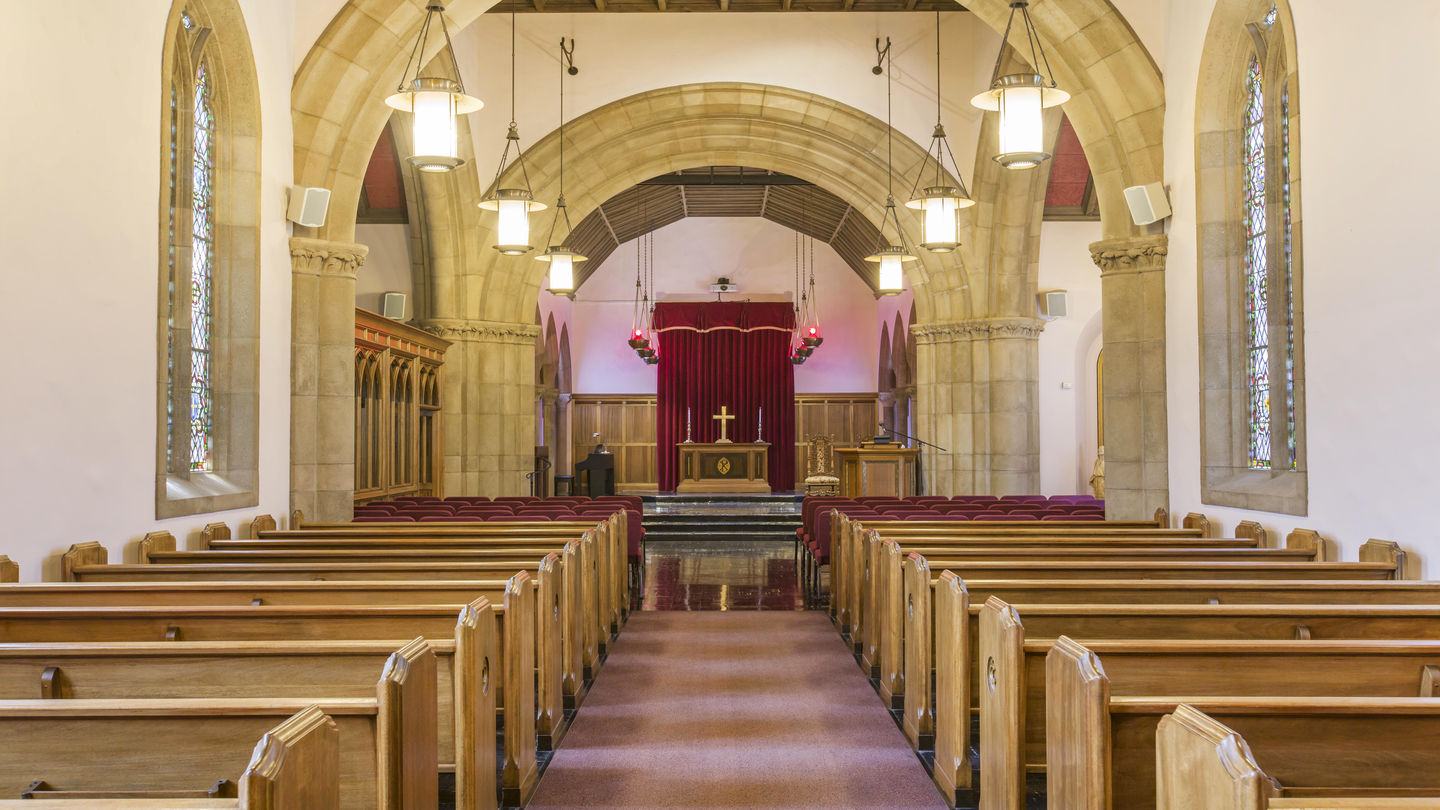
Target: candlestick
[[760, 426], [688, 440]]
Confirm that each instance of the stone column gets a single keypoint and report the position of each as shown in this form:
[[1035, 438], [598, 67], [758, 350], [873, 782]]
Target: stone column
[[489, 405], [1137, 469], [564, 443], [322, 377], [978, 397]]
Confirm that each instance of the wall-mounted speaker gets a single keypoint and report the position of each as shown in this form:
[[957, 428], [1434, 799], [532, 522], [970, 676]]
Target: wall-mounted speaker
[[1148, 203], [1053, 303], [392, 305], [308, 206]]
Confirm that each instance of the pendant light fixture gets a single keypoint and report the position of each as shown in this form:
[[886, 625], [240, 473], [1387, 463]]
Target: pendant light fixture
[[941, 202], [810, 327], [514, 205], [561, 258], [890, 256], [435, 102], [798, 352], [1021, 98], [639, 330]]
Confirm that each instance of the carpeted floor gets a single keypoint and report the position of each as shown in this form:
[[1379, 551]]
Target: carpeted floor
[[733, 710]]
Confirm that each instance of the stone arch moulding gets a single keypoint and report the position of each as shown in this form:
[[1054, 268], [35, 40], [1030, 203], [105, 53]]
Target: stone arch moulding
[[1117, 94]]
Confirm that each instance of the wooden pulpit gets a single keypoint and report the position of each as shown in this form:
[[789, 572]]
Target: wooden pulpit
[[877, 469]]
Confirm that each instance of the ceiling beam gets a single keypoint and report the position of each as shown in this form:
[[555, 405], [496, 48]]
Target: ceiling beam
[[840, 224], [660, 5], [764, 200], [684, 202], [849, 4], [724, 5], [725, 180], [911, 4], [611, 228], [785, 5], [599, 5], [539, 4]]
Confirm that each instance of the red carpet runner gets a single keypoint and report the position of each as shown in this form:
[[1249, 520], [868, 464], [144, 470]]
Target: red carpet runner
[[733, 710]]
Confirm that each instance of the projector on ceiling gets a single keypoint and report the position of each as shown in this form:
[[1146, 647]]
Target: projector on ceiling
[[723, 285]]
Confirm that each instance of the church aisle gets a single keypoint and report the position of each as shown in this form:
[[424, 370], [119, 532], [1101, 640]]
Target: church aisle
[[735, 710]]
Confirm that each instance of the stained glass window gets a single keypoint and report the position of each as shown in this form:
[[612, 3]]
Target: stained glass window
[[1289, 274], [202, 257], [1257, 304], [173, 266]]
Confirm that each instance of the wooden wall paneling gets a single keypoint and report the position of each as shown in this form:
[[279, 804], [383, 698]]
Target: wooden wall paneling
[[398, 435]]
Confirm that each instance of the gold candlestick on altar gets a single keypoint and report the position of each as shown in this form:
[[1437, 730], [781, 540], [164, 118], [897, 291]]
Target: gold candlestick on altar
[[760, 426], [688, 440], [724, 418]]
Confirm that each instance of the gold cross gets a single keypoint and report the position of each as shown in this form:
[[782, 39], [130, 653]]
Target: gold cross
[[725, 418]]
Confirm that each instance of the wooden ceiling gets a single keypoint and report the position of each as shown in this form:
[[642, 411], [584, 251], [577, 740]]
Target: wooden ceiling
[[724, 191], [577, 6]]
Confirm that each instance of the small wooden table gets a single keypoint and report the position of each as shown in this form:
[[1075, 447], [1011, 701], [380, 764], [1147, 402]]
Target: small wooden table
[[724, 467]]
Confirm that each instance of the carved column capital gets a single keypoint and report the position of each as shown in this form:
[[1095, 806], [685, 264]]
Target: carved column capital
[[321, 257], [473, 331], [1140, 254], [977, 328]]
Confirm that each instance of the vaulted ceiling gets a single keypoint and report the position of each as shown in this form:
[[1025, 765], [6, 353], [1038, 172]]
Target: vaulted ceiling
[[725, 191]]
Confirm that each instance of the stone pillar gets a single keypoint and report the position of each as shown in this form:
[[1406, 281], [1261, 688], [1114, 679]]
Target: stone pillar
[[977, 396], [564, 442], [322, 377], [489, 405], [1137, 469]]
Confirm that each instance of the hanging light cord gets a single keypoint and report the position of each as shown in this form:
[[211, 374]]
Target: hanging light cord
[[1037, 53], [560, 207], [513, 137], [418, 52]]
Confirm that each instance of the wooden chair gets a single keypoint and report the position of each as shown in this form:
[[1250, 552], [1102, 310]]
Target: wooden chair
[[820, 478]]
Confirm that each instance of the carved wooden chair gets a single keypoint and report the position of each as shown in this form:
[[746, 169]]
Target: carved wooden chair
[[820, 478]]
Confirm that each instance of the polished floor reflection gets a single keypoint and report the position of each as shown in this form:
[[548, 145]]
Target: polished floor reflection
[[721, 575]]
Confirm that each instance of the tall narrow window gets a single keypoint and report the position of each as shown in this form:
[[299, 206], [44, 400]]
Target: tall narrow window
[[207, 416], [1257, 298], [202, 255], [1248, 207]]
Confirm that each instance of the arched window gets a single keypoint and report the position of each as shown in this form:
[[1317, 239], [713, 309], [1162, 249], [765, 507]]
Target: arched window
[[1252, 391], [209, 274]]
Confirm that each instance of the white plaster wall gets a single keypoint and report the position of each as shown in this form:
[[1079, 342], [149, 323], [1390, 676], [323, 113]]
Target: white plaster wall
[[755, 253], [1067, 415], [387, 267], [80, 267], [1370, 280]]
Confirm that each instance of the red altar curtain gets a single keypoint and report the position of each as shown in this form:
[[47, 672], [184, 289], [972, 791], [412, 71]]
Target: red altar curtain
[[731, 353]]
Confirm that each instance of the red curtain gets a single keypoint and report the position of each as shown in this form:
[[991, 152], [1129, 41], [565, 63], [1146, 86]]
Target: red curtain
[[734, 354]]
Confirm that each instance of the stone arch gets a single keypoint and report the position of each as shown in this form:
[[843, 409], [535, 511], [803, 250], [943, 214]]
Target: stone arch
[[1116, 105]]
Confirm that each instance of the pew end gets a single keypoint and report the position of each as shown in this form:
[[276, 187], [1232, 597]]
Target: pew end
[[476, 673], [1390, 553], [79, 554], [1002, 706], [1310, 540], [1077, 698], [952, 773], [1203, 765], [296, 764], [262, 523], [297, 519], [1253, 531], [154, 542], [213, 532], [408, 728], [9, 569], [521, 770], [919, 633], [1162, 517], [1195, 520]]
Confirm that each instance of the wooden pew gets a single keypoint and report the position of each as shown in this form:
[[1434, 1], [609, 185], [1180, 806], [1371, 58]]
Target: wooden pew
[[883, 602], [9, 569], [610, 537], [334, 623], [1204, 765], [387, 755], [295, 764], [848, 560], [959, 664], [1004, 629], [581, 626], [1103, 748], [466, 668], [921, 622], [1403, 668]]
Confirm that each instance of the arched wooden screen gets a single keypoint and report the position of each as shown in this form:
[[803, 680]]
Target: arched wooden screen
[[398, 386]]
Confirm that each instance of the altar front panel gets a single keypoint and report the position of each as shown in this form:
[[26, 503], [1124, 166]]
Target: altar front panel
[[729, 467]]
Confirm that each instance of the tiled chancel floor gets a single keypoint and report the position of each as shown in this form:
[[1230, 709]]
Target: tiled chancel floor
[[721, 575]]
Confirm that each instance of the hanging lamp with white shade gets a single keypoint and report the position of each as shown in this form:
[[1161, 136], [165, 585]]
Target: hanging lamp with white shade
[[1022, 98], [435, 102], [515, 204], [561, 258], [940, 202], [891, 256]]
